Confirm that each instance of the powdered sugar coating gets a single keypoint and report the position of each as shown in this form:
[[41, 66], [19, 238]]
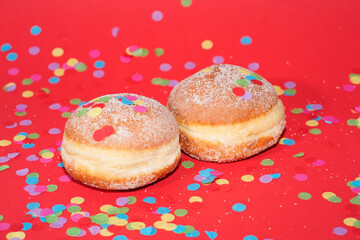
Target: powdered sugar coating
[[132, 129], [207, 97]]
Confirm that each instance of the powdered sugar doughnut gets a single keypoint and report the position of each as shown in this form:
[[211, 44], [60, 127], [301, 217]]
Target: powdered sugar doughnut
[[226, 113], [120, 141]]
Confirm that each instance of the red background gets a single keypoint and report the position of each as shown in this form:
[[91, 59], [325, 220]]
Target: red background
[[312, 43]]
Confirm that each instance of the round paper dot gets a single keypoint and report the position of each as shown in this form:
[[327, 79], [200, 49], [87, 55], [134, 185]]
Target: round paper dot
[[95, 112], [157, 16], [32, 180], [6, 47], [207, 44], [312, 123], [140, 109], [250, 237], [301, 177], [99, 64], [54, 80], [34, 50], [28, 94], [334, 199], [355, 78], [222, 181], [340, 231], [57, 52], [150, 200], [13, 71], [189, 65], [315, 131], [73, 231], [253, 66], [186, 3], [165, 67], [59, 72], [349, 87], [266, 178], [167, 217], [94, 53], [65, 178], [180, 212], [195, 199], [11, 56], [137, 77], [245, 40], [187, 164], [326, 195], [247, 178], [290, 84], [267, 162], [98, 73], [35, 30], [193, 187], [350, 221], [304, 195], [239, 207], [218, 60]]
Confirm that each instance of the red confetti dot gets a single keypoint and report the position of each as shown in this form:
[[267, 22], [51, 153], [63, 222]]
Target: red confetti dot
[[257, 82], [84, 221], [238, 91], [100, 105], [102, 133]]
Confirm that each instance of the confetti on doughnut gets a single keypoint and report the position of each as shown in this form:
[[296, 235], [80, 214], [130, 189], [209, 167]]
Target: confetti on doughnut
[[102, 133]]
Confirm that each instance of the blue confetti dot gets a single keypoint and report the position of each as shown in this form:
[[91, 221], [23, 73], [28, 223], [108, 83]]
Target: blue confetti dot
[[122, 216], [249, 77], [356, 183], [12, 56], [193, 187], [126, 101], [150, 200], [26, 226], [35, 30], [5, 47], [105, 226], [206, 172], [246, 40], [162, 210], [28, 145], [179, 229], [42, 219], [238, 207], [58, 208], [208, 180], [211, 235], [99, 64], [32, 180], [23, 134], [148, 231], [120, 237], [275, 175], [61, 164], [288, 141], [32, 205], [250, 237], [193, 234], [54, 80]]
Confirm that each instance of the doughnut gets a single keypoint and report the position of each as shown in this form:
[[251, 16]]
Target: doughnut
[[120, 141], [226, 113]]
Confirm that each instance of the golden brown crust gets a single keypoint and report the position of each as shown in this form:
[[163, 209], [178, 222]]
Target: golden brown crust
[[207, 97]]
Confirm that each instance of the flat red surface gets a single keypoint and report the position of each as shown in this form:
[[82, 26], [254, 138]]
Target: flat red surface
[[314, 44]]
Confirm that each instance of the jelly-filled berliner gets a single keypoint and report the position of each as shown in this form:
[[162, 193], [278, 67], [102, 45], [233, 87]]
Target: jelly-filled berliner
[[120, 141], [226, 113]]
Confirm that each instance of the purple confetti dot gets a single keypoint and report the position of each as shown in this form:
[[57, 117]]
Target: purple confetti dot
[[4, 159], [11, 126], [29, 188], [340, 231], [218, 60], [173, 83], [54, 131], [165, 67], [32, 158], [25, 122], [21, 106], [98, 73], [331, 119], [121, 201], [253, 66], [13, 71], [14, 154], [349, 87], [290, 85], [189, 65], [94, 53], [115, 31], [94, 230], [247, 95], [55, 106], [22, 172], [266, 178], [34, 50], [53, 66], [301, 177], [82, 233], [199, 178], [157, 16]]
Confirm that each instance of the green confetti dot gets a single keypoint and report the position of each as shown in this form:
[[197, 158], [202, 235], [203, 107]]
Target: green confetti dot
[[80, 67], [159, 52], [43, 151], [74, 209], [189, 229], [267, 162], [352, 122], [257, 76], [187, 164], [315, 131], [165, 82], [299, 155], [66, 114], [141, 52], [186, 3], [349, 184], [73, 231], [27, 81], [104, 99], [132, 200], [290, 91], [156, 81], [59, 213], [357, 224], [4, 167], [304, 195], [46, 90], [355, 200], [51, 218], [100, 218], [34, 174], [33, 136], [75, 101], [1, 217], [82, 112], [242, 82], [180, 212], [129, 226], [20, 114], [296, 110], [116, 210], [334, 199]]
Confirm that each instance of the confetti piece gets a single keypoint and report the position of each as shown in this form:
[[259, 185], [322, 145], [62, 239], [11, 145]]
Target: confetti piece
[[187, 164], [315, 131], [239, 207], [211, 234], [193, 187], [304, 196], [195, 199], [150, 200], [180, 212], [207, 44], [299, 155], [267, 162]]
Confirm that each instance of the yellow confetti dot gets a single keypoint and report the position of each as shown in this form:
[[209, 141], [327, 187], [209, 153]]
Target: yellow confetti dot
[[138, 102], [127, 50], [117, 221], [4, 143], [355, 78], [243, 71], [71, 62], [137, 225], [159, 224], [326, 195], [18, 234], [105, 207], [247, 178], [82, 213], [350, 221], [77, 200], [279, 90], [104, 232], [195, 199], [169, 226], [358, 178], [47, 155], [222, 181], [19, 138], [95, 112], [28, 94], [209, 69], [167, 217], [312, 123], [59, 72], [57, 52], [207, 44], [95, 99]]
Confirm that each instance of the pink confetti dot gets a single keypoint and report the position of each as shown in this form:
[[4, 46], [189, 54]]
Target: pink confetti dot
[[44, 160], [125, 59], [349, 87], [40, 189], [59, 143], [76, 217], [64, 109], [357, 108], [35, 77], [140, 109], [301, 177], [318, 163], [94, 53], [65, 178], [131, 98], [4, 226], [46, 211], [137, 77], [356, 190], [13, 71]]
